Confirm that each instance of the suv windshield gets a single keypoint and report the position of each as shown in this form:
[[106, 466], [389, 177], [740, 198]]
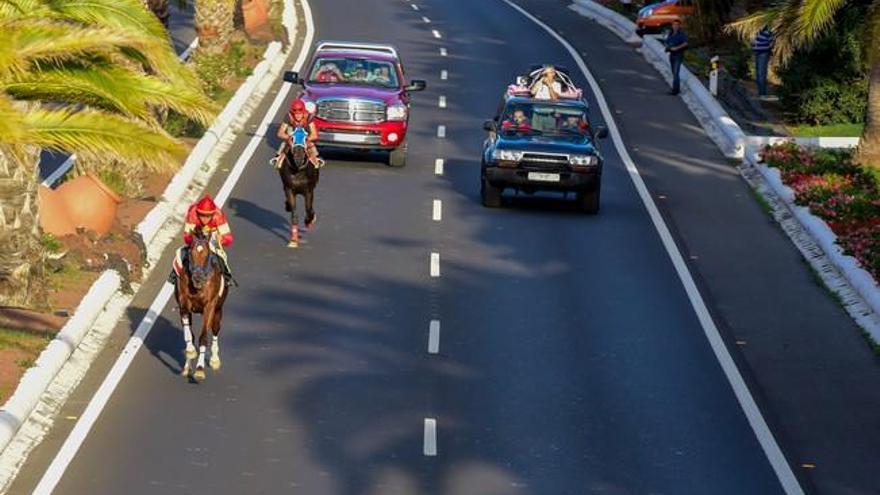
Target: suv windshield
[[537, 118], [350, 70]]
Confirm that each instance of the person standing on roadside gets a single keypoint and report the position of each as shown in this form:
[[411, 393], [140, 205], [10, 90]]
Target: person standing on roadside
[[762, 46], [676, 44]]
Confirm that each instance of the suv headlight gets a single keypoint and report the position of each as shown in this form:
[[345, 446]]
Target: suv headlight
[[507, 155], [583, 160], [396, 112], [646, 13]]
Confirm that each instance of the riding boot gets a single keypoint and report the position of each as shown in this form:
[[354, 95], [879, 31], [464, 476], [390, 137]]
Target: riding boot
[[172, 277]]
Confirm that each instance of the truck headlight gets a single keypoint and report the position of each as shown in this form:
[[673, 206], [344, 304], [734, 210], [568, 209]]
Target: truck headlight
[[396, 112], [507, 155], [646, 13], [583, 160]]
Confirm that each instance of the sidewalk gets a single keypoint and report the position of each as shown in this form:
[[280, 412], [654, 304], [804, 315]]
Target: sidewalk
[[812, 373]]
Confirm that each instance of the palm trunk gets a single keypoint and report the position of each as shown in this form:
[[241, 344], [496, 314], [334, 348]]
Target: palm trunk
[[869, 145], [213, 19], [22, 281]]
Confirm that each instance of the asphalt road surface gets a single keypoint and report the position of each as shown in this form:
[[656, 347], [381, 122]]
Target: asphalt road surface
[[570, 359]]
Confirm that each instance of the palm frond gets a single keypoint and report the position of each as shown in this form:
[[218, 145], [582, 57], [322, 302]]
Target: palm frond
[[111, 88], [814, 19], [92, 133]]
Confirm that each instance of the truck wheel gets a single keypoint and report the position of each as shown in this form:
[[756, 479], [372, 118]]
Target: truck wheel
[[588, 202], [489, 194], [397, 157]]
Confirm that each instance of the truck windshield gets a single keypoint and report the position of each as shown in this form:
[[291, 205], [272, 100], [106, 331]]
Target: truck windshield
[[350, 70], [534, 118]]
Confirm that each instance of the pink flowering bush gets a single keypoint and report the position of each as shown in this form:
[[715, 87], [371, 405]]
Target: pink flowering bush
[[839, 192]]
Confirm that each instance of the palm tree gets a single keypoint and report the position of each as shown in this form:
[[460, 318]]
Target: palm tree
[[83, 76], [797, 24], [214, 24]]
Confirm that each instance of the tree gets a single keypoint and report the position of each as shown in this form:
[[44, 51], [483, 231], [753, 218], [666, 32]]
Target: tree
[[797, 24], [83, 76], [214, 24]]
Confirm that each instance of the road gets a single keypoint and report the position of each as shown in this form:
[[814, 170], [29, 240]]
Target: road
[[570, 360], [182, 32]]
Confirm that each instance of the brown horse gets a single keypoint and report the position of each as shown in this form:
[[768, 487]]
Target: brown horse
[[201, 289], [299, 176]]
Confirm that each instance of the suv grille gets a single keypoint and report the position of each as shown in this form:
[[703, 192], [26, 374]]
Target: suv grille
[[352, 111], [544, 160]]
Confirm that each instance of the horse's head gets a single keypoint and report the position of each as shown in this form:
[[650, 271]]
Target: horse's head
[[299, 155], [201, 259]]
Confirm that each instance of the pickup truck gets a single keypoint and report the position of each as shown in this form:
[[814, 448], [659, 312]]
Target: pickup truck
[[359, 97]]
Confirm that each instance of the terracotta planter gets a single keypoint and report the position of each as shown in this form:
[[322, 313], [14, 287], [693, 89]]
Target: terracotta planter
[[90, 203], [256, 18], [53, 213]]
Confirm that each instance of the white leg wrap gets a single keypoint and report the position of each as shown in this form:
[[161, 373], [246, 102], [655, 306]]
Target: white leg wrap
[[201, 362], [187, 331], [215, 345]]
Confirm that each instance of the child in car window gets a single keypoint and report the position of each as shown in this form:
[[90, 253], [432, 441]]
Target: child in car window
[[517, 121]]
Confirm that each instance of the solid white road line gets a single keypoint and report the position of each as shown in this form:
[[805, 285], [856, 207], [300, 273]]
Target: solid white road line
[[435, 265], [441, 102], [78, 435], [762, 431], [430, 446], [434, 337], [443, 52], [436, 33], [444, 75], [438, 166], [438, 210], [426, 20], [441, 131]]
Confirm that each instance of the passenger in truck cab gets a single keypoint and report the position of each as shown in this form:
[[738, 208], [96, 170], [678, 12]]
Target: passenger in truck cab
[[328, 72], [573, 123], [517, 121]]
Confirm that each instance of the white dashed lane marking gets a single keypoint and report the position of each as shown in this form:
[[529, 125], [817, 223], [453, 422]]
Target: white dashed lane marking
[[443, 52], [438, 210], [436, 33], [441, 102], [435, 265], [444, 75], [414, 6], [438, 166], [434, 337], [430, 447], [426, 20], [441, 131]]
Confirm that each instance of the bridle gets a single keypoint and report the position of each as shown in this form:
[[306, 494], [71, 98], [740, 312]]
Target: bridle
[[200, 273]]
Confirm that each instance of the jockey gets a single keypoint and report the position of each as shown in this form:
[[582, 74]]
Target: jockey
[[298, 116], [207, 217]]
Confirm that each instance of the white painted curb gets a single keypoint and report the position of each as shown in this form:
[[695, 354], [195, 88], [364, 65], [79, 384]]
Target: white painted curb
[[56, 353], [721, 128], [858, 278], [758, 142], [38, 378]]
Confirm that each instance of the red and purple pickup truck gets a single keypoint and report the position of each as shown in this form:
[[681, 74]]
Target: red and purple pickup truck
[[358, 97]]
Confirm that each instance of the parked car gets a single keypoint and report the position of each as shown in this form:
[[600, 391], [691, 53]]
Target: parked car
[[359, 97], [658, 17], [542, 145]]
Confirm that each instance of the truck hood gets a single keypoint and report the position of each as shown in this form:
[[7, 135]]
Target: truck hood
[[315, 92], [546, 144]]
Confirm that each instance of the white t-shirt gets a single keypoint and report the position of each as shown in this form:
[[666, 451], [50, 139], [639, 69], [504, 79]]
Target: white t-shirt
[[543, 92]]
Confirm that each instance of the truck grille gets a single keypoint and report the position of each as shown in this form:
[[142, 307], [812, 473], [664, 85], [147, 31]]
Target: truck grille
[[544, 161], [351, 111]]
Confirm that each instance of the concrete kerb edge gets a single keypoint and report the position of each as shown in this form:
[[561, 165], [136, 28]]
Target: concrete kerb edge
[[723, 130], [106, 289], [857, 278]]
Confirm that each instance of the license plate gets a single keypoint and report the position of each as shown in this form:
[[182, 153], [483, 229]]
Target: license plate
[[542, 177], [350, 138]]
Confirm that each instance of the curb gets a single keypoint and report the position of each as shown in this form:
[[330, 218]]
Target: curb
[[721, 128], [105, 291], [858, 278]]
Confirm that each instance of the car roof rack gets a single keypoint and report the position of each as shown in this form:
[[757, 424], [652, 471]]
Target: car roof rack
[[357, 46]]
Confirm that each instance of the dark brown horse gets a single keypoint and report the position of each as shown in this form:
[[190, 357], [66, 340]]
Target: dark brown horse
[[201, 289], [299, 176]]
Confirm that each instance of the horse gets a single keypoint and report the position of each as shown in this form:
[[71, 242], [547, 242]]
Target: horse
[[202, 289], [299, 176]]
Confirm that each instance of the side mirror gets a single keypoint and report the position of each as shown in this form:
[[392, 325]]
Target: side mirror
[[490, 126], [417, 85], [601, 132], [292, 77]]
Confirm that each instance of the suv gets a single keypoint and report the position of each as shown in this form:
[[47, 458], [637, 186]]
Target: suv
[[542, 145], [357, 95], [658, 17]]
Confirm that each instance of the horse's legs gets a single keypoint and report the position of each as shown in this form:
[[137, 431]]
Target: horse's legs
[[293, 241], [215, 343], [190, 351], [310, 207], [207, 317]]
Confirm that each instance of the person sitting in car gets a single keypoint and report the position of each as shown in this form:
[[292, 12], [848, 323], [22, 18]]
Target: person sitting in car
[[379, 75], [517, 121], [328, 72], [573, 123], [547, 87]]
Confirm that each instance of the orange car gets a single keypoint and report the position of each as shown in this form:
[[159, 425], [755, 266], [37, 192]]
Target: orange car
[[658, 17]]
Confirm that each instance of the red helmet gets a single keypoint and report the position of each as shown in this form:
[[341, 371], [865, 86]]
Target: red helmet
[[206, 206], [298, 106]]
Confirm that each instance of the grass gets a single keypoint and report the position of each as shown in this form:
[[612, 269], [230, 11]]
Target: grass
[[51, 243], [833, 130], [32, 343]]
